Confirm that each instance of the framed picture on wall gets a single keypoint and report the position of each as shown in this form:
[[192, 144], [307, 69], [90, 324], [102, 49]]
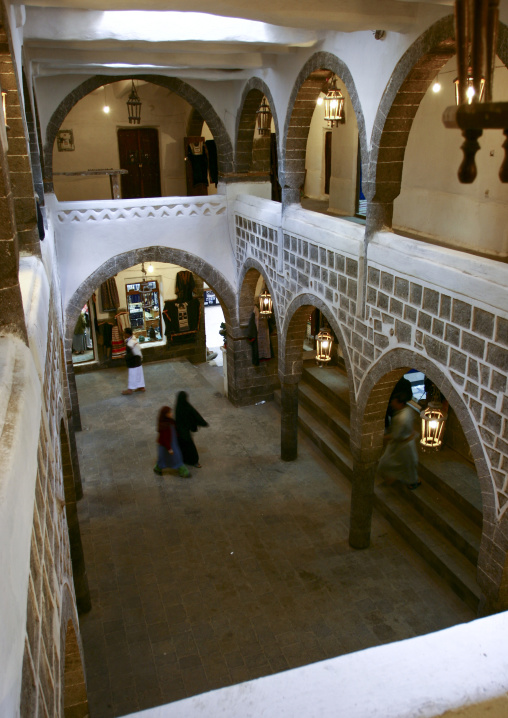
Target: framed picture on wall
[[65, 141]]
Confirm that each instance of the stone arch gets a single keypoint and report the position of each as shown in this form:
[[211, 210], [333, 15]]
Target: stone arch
[[247, 284], [367, 428], [252, 95], [293, 330], [401, 99], [302, 103], [118, 263], [74, 700], [181, 88]]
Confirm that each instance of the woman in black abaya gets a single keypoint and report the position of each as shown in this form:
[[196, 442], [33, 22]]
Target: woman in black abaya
[[187, 421]]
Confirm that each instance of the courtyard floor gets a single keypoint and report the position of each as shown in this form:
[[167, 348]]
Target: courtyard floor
[[242, 570]]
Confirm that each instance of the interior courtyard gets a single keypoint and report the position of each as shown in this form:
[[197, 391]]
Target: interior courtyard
[[297, 216]]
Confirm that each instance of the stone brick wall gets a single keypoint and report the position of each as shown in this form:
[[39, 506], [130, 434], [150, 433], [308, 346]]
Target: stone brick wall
[[51, 601]]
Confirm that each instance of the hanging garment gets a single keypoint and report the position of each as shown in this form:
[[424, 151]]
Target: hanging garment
[[123, 320], [109, 295], [213, 165], [184, 285], [181, 318], [197, 155], [118, 344]]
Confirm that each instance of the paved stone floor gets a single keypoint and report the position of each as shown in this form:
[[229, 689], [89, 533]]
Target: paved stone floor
[[241, 571]]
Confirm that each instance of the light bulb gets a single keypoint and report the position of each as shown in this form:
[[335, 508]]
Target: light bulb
[[150, 267], [436, 87], [106, 109], [319, 101], [470, 92]]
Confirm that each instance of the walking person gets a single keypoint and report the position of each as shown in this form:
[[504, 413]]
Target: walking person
[[133, 359], [400, 459], [187, 421], [169, 454]]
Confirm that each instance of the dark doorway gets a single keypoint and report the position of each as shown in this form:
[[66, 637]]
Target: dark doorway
[[274, 169], [139, 154], [328, 161]]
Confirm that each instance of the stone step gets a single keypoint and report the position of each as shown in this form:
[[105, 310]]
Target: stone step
[[331, 446], [438, 552], [329, 415], [452, 525]]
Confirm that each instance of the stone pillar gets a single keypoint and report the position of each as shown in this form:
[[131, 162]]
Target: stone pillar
[[492, 574], [289, 421], [362, 503]]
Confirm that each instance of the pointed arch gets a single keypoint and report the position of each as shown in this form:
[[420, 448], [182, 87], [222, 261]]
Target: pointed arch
[[179, 87], [253, 93], [302, 103], [399, 104]]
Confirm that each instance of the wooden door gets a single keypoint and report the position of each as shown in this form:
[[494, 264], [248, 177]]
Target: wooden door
[[139, 154], [328, 161]]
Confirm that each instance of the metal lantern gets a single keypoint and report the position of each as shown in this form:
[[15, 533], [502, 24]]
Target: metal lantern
[[433, 421], [134, 107], [324, 341], [264, 118], [265, 303], [334, 105], [470, 91]]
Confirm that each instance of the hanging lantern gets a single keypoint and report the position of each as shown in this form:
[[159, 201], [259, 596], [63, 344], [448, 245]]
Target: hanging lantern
[[334, 105], [324, 341], [433, 421], [265, 303], [264, 116], [134, 107], [470, 91]]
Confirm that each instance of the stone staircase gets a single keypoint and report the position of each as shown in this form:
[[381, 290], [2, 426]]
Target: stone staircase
[[441, 520]]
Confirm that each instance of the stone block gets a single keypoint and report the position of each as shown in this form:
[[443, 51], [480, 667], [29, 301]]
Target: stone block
[[502, 331], [368, 350], [378, 326], [322, 256], [340, 263], [452, 335], [374, 276], [342, 284], [387, 318], [487, 436], [357, 342], [476, 409], [396, 307], [324, 275], [457, 378], [315, 271], [430, 301], [498, 357], [415, 294], [332, 279], [494, 456], [381, 341], [402, 289], [382, 301], [361, 328], [352, 268], [352, 288], [387, 282], [445, 307], [461, 313], [437, 328], [410, 314], [498, 382], [330, 260], [328, 295], [424, 321], [305, 249], [458, 361], [472, 388], [483, 323], [403, 332], [473, 345], [436, 349], [313, 253], [492, 420], [484, 374], [488, 398]]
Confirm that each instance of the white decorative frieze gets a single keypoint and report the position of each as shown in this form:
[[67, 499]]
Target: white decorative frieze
[[133, 212]]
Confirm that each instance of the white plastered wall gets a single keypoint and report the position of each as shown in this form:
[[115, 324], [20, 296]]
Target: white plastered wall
[[432, 201]]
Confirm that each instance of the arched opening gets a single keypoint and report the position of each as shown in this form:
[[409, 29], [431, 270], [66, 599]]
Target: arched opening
[[451, 519], [407, 172], [165, 102], [156, 157], [316, 161], [257, 133], [315, 396]]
